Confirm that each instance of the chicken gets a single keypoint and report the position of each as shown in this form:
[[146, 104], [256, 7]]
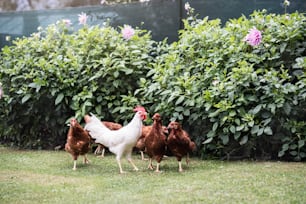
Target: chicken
[[179, 143], [120, 142], [155, 142], [78, 142], [111, 126], [140, 145]]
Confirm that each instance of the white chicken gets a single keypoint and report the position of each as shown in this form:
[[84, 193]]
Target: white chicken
[[120, 142]]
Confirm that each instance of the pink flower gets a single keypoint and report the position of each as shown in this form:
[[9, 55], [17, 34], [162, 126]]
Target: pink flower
[[67, 22], [187, 6], [253, 37], [82, 18], [127, 32]]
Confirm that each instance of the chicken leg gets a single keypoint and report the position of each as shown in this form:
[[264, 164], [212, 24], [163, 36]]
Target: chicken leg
[[157, 168], [74, 164], [132, 163], [150, 166], [180, 166], [85, 161], [129, 158], [120, 168]]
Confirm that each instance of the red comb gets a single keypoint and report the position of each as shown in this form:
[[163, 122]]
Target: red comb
[[140, 108]]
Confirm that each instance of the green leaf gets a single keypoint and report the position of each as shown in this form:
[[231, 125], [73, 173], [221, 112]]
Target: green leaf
[[244, 140], [186, 112], [301, 143], [232, 129], [35, 86], [116, 74], [285, 147], [293, 146], [179, 109], [240, 127], [272, 107], [268, 130], [251, 123], [208, 140], [211, 134], [254, 129], [214, 114], [237, 135], [99, 99], [256, 109], [283, 47], [87, 103], [98, 110], [232, 113], [237, 121], [179, 100], [225, 139], [26, 98], [260, 131], [59, 98], [281, 153], [116, 83], [127, 71], [302, 154], [215, 126]]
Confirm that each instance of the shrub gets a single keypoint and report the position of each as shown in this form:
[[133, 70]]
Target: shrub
[[236, 96], [237, 99], [58, 73]]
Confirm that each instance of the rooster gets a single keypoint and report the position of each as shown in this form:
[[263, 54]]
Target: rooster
[[179, 143], [111, 126], [120, 142], [78, 142], [155, 142]]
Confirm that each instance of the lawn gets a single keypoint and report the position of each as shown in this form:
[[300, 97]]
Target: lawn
[[47, 177]]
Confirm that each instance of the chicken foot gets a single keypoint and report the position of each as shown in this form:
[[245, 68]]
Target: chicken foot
[[150, 166], [120, 168], [132, 163], [85, 161], [142, 156]]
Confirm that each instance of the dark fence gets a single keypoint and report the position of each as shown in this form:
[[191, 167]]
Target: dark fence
[[161, 17]]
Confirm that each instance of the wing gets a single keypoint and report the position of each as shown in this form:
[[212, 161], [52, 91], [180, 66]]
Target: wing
[[102, 134]]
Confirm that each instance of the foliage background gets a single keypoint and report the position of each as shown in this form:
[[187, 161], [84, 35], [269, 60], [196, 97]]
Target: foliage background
[[56, 74], [238, 100], [235, 100]]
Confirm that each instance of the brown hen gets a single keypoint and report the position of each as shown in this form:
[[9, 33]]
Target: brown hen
[[78, 142], [179, 143], [155, 142], [140, 145]]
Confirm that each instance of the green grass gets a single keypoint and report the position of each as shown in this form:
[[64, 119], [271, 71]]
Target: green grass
[[47, 177]]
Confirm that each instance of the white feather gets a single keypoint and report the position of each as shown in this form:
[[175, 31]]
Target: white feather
[[119, 141]]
